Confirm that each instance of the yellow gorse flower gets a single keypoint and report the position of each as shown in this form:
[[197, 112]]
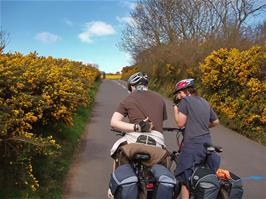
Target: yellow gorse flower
[[235, 84], [36, 91]]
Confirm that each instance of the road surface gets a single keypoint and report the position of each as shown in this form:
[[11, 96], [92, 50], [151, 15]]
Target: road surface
[[89, 174]]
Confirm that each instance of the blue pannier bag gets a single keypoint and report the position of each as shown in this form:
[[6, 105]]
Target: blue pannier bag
[[166, 181], [204, 183], [123, 183]]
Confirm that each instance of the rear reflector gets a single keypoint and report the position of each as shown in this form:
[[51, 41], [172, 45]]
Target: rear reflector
[[150, 186]]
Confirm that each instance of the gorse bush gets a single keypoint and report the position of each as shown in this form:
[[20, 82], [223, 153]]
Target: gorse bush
[[127, 71], [234, 82], [36, 93]]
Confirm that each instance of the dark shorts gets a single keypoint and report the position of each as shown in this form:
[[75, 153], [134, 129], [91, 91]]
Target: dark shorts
[[191, 156]]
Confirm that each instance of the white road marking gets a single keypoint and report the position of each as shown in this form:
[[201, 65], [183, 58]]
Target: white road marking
[[116, 81]]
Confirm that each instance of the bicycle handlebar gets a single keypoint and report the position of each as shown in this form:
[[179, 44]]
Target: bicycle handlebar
[[164, 129], [210, 148], [173, 129], [118, 132]]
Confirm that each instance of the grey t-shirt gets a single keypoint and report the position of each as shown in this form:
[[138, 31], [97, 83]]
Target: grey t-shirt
[[141, 104], [199, 115]]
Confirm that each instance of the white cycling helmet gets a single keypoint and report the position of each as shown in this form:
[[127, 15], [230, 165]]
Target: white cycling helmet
[[138, 78]]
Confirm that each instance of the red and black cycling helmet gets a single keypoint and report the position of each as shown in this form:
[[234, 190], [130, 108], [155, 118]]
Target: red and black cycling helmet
[[138, 78], [183, 84]]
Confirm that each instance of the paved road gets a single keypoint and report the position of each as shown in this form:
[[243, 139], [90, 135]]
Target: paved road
[[89, 174]]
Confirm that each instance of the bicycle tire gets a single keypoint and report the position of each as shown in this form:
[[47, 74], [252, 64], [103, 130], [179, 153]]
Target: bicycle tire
[[223, 194]]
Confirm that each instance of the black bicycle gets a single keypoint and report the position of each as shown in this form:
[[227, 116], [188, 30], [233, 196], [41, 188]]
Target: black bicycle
[[202, 179], [146, 181]]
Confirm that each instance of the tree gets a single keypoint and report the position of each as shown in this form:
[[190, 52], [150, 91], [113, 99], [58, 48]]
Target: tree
[[4, 40], [157, 22], [260, 33], [232, 14], [144, 32], [183, 32]]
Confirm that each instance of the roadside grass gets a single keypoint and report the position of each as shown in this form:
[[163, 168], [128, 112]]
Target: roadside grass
[[52, 172]]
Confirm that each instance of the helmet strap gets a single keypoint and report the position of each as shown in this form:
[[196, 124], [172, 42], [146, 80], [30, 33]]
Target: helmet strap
[[141, 88], [129, 88]]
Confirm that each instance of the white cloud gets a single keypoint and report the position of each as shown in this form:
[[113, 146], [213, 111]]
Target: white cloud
[[85, 37], [95, 29], [68, 22], [100, 28], [129, 4], [128, 20], [47, 37]]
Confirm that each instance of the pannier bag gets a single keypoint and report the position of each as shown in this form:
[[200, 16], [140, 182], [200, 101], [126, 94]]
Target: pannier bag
[[236, 190], [204, 183], [123, 183], [166, 181]]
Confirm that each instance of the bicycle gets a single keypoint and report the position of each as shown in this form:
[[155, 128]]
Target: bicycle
[[224, 186], [146, 180]]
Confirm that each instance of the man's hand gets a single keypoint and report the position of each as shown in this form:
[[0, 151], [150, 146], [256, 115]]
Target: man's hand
[[214, 123], [176, 100], [144, 126]]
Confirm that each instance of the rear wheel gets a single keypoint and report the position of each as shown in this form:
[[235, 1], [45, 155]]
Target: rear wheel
[[223, 194], [142, 191]]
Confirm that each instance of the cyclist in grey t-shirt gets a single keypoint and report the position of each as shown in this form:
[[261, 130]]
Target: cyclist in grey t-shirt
[[195, 114]]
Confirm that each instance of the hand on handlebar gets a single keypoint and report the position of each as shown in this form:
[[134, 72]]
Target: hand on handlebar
[[143, 126], [176, 100]]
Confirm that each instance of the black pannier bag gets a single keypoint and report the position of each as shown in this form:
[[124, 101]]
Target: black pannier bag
[[204, 183], [236, 187]]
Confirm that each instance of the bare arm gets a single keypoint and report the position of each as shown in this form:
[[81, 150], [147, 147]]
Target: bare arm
[[117, 123], [180, 118]]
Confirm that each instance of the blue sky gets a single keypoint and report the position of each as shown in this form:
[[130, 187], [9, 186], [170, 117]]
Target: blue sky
[[86, 31]]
